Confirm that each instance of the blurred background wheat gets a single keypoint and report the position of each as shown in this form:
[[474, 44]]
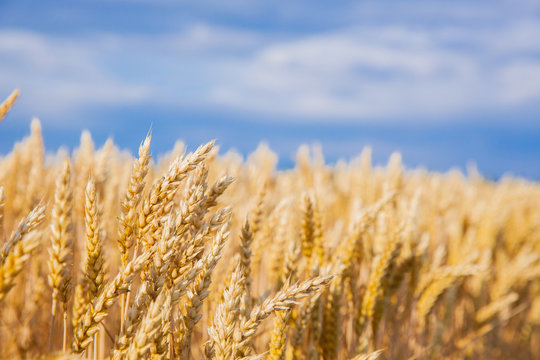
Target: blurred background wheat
[[202, 255]]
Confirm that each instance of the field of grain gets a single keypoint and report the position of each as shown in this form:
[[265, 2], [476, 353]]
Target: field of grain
[[205, 255]]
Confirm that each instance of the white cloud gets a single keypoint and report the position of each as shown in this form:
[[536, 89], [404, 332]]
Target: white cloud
[[372, 73], [60, 75], [386, 73], [520, 82]]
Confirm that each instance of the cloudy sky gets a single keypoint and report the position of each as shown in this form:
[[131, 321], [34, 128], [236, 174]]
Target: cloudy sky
[[446, 83]]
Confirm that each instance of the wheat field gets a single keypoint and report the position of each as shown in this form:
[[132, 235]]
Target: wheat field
[[205, 255]]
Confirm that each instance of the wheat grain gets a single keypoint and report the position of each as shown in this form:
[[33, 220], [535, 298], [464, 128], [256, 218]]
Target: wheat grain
[[94, 269], [61, 252], [133, 195]]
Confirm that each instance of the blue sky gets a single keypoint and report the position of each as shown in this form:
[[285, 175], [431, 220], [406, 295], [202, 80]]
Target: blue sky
[[445, 83]]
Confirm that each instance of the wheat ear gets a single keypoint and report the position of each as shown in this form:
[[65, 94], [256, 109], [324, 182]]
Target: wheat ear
[[94, 269], [128, 215], [26, 225], [80, 303], [162, 194], [283, 300], [131, 199], [8, 103], [354, 245], [133, 319], [2, 205], [98, 311], [307, 235], [222, 330], [198, 293], [487, 312], [217, 189], [20, 250], [378, 279], [61, 251], [278, 339], [301, 324], [157, 314], [246, 239], [371, 356], [332, 321], [437, 288]]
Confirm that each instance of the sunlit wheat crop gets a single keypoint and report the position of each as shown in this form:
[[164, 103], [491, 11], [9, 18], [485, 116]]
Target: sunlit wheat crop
[[207, 255]]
